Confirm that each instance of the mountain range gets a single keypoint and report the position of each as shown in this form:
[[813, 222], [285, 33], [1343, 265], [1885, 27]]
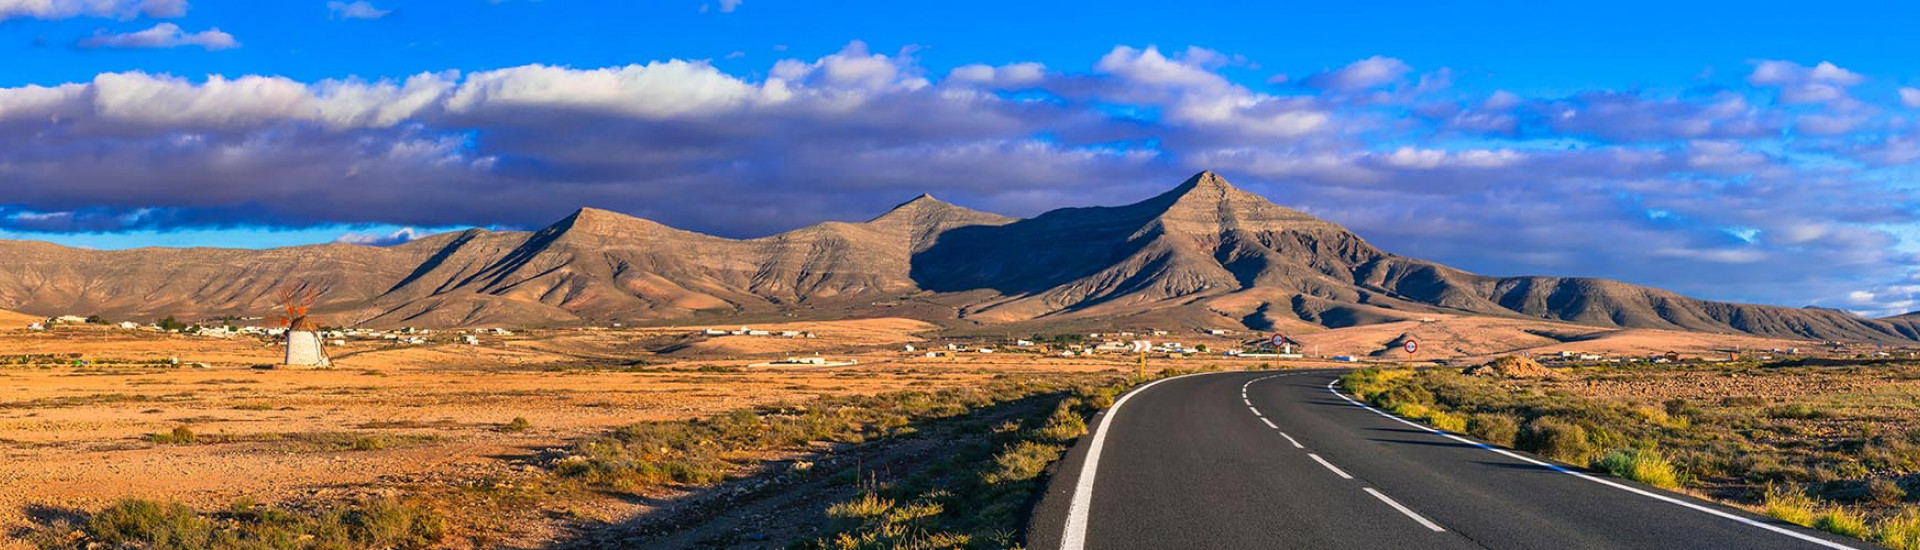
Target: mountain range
[[1203, 254]]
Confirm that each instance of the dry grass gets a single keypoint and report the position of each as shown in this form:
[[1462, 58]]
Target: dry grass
[[1829, 443]]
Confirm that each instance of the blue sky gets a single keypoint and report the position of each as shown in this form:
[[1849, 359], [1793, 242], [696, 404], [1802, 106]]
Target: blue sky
[[1751, 151]]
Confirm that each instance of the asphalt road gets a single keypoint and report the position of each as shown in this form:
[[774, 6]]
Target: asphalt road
[[1279, 460]]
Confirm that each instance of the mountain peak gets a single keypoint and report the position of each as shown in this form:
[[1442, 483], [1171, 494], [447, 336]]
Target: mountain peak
[[1207, 203], [605, 223], [925, 200], [1206, 180]]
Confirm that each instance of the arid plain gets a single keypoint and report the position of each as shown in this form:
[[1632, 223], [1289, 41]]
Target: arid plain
[[90, 414]]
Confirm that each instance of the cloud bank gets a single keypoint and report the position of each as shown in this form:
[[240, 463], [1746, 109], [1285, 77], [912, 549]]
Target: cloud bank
[[1781, 187]]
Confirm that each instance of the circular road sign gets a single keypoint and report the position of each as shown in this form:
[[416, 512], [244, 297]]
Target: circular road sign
[[1412, 346], [1278, 340]]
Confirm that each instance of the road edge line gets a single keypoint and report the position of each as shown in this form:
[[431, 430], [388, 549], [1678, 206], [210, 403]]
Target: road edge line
[[1074, 535]]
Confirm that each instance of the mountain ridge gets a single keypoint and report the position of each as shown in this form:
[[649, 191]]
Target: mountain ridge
[[1204, 252]]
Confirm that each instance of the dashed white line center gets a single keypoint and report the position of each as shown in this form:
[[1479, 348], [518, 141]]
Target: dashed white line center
[[1323, 462], [1403, 509]]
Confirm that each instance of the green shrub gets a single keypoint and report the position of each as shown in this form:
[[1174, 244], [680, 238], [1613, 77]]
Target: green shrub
[[1840, 520], [1020, 462], [868, 505], [138, 523], [368, 443], [1064, 425], [1790, 505], [1900, 531], [248, 525], [1642, 465], [1555, 438], [518, 424], [1446, 421], [179, 436], [1498, 429], [389, 523], [1885, 492]]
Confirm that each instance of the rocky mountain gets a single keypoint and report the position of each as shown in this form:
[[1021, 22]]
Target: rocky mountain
[[1204, 252]]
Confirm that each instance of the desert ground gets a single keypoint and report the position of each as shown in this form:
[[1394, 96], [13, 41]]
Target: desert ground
[[84, 409], [388, 417]]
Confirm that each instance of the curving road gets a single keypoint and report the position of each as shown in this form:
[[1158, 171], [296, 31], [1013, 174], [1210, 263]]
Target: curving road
[[1280, 460]]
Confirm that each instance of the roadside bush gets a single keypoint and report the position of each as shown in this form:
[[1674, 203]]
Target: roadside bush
[[1369, 382], [1020, 462], [1840, 520], [1446, 421], [1642, 465], [1555, 438], [1899, 532], [1498, 429], [1404, 394], [1790, 505], [1065, 424]]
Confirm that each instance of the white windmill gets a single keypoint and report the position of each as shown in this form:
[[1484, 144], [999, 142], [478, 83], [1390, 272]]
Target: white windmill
[[303, 332]]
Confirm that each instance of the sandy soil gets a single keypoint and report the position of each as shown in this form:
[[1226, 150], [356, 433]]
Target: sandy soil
[[11, 320]]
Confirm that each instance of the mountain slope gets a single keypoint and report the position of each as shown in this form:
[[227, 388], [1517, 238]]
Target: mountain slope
[[1203, 253]]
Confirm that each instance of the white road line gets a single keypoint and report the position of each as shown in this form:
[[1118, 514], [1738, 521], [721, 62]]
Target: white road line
[[1330, 466], [1269, 423], [1244, 400], [1256, 412], [1074, 535], [1599, 480], [1404, 510], [1296, 444]]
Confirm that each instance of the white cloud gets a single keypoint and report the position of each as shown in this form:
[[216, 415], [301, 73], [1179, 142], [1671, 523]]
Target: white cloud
[[661, 89], [117, 9], [164, 35], [162, 101], [727, 6], [854, 68], [1004, 76], [1151, 67], [1820, 83], [1910, 97], [1361, 75], [1196, 95], [400, 236], [358, 9]]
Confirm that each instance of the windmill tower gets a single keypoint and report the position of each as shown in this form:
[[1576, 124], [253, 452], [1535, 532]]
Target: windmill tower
[[303, 333]]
